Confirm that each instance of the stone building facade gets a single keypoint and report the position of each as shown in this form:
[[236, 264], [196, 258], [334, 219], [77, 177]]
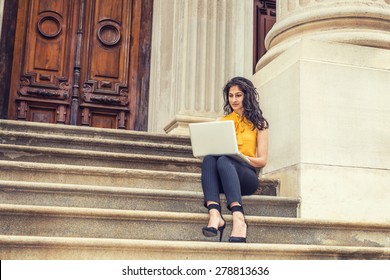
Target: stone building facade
[[323, 84]]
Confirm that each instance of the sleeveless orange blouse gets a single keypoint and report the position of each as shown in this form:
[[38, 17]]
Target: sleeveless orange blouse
[[246, 137]]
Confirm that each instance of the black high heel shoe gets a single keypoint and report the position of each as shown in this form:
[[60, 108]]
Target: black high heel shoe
[[212, 231], [234, 239]]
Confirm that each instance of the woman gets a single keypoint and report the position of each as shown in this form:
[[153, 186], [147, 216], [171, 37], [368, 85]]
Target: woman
[[222, 174]]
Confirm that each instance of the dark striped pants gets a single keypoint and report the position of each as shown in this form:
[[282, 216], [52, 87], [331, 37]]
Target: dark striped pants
[[222, 174]]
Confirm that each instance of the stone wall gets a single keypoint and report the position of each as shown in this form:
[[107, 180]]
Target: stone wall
[[324, 88]]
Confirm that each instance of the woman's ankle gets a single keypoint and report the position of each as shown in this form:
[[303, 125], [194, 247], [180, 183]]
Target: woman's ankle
[[239, 228], [215, 218]]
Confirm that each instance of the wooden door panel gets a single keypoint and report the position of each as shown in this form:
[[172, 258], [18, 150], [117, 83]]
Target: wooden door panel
[[43, 71], [82, 62], [105, 75], [41, 114], [103, 120], [264, 19]]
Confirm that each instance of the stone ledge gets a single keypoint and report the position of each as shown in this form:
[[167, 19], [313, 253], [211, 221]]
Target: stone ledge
[[97, 158], [150, 225], [104, 176], [91, 132], [95, 144], [32, 247], [70, 195]]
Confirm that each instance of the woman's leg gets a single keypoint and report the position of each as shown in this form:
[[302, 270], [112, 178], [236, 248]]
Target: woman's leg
[[211, 186], [211, 183], [237, 180], [239, 230]]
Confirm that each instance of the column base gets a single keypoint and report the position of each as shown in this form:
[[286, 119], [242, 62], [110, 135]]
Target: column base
[[327, 105], [179, 125], [337, 192]]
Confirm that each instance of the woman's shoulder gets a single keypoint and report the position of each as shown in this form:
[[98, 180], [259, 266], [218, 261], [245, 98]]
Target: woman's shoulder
[[230, 116], [264, 129]]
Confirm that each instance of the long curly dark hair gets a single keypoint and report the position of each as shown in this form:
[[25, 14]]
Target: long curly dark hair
[[252, 111]]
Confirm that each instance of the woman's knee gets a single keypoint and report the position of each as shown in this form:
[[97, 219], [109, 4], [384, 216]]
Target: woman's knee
[[209, 161], [223, 162], [210, 157]]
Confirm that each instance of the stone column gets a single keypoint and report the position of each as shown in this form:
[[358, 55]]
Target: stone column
[[196, 47], [324, 86], [357, 22], [1, 14]]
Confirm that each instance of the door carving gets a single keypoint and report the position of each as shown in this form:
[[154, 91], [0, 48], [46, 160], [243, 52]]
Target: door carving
[[78, 62]]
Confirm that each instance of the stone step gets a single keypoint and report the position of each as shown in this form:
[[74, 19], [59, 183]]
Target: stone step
[[106, 197], [94, 144], [98, 176], [65, 248], [98, 158], [114, 177], [91, 132], [27, 220]]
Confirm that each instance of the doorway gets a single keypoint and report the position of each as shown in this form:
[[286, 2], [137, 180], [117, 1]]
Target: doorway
[[82, 62]]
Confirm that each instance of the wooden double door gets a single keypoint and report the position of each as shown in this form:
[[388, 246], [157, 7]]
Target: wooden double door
[[82, 62], [264, 18]]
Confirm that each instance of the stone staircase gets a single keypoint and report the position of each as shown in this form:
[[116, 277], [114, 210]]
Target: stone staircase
[[84, 193]]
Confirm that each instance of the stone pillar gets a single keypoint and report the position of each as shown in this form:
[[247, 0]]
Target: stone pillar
[[324, 86], [1, 14], [357, 22], [196, 47]]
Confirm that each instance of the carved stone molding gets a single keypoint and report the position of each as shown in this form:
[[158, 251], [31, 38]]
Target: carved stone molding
[[287, 7], [359, 22]]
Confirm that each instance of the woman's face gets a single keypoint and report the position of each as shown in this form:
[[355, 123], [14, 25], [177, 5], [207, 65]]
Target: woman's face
[[236, 97]]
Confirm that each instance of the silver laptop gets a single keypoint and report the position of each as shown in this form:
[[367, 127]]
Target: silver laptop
[[215, 138]]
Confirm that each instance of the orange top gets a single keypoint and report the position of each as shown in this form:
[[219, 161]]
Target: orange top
[[246, 137]]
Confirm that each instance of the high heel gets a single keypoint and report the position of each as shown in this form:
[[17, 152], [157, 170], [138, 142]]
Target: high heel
[[234, 239], [212, 231]]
